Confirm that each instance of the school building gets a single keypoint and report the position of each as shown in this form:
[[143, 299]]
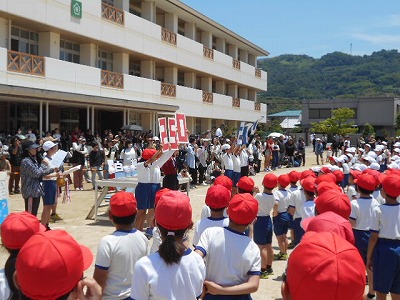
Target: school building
[[103, 64]]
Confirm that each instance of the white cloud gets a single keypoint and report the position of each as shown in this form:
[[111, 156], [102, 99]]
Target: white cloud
[[378, 39]]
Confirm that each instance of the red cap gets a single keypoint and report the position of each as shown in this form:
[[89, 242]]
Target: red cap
[[325, 170], [243, 209], [355, 173], [148, 153], [367, 182], [50, 265], [391, 185], [327, 186], [333, 201], [123, 204], [270, 181], [218, 196], [307, 173], [339, 176], [294, 176], [225, 181], [330, 222], [17, 228], [325, 266], [326, 177], [173, 211], [246, 183], [308, 184], [159, 194], [283, 180]]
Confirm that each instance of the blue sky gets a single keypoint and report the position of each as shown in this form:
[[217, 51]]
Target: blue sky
[[311, 27]]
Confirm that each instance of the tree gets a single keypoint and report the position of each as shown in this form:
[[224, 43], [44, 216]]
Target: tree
[[398, 121], [368, 130], [338, 124]]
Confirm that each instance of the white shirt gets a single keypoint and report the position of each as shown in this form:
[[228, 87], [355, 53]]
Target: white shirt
[[152, 173], [307, 210], [227, 161], [386, 221], [377, 195], [282, 196], [118, 254], [236, 163], [231, 257], [351, 192], [4, 287], [156, 241], [297, 198], [154, 279], [209, 222], [206, 212], [265, 203], [361, 212], [128, 155], [218, 132], [244, 158]]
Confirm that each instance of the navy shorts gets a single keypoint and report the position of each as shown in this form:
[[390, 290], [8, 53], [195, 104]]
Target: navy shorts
[[236, 177], [50, 192], [386, 266], [263, 230], [298, 231], [362, 238], [226, 297], [290, 221], [145, 194], [281, 223], [229, 173]]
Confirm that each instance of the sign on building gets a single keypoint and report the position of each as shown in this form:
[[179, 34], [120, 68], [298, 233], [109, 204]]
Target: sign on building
[[76, 9]]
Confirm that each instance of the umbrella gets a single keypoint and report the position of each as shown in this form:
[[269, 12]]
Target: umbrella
[[132, 127], [275, 134]]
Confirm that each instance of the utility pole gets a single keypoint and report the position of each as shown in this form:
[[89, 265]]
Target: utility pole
[[351, 48]]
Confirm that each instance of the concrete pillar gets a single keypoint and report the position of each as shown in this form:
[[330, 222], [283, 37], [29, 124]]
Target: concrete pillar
[[252, 60], [4, 33], [205, 124], [49, 45], [171, 75], [40, 118], [88, 55], [47, 116], [147, 69], [233, 90], [190, 31], [171, 22], [190, 80], [149, 11], [252, 95], [220, 87], [243, 93], [244, 55], [121, 62], [122, 4], [221, 44], [206, 38], [233, 51], [206, 84], [191, 124]]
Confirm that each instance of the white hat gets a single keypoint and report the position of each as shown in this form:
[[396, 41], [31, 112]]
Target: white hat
[[350, 156], [316, 169], [369, 159], [372, 154], [393, 165], [317, 139], [396, 145], [379, 148], [394, 157], [351, 150], [363, 167], [361, 150], [384, 143], [356, 166], [375, 166], [367, 145], [225, 147], [335, 168], [155, 138], [397, 150], [48, 145]]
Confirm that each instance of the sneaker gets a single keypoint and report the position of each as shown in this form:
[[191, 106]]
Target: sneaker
[[81, 189], [77, 189], [269, 271], [11, 193], [17, 192], [56, 217], [280, 256], [291, 245], [264, 275], [47, 227], [203, 183]]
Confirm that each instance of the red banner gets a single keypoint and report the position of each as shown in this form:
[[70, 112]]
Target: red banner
[[173, 133], [181, 126], [162, 125]]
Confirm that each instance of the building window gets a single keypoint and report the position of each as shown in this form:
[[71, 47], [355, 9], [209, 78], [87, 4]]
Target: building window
[[24, 116], [181, 78], [109, 2], [105, 60], [70, 51], [23, 40], [134, 69], [322, 113]]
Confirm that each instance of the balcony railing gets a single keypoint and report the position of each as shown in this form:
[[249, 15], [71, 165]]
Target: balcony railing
[[168, 89], [25, 63], [236, 102], [208, 97], [258, 73], [168, 36], [208, 52], [112, 79], [257, 106], [236, 63], [112, 13]]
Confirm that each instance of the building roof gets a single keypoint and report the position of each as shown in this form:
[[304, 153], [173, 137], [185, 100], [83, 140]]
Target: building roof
[[290, 123], [287, 113]]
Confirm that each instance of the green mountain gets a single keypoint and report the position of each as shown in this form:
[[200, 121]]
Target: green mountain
[[292, 78]]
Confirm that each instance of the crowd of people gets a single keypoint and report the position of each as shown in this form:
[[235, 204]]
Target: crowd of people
[[343, 220]]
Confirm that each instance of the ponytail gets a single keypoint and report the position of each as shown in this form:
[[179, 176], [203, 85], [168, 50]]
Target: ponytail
[[170, 250], [9, 270]]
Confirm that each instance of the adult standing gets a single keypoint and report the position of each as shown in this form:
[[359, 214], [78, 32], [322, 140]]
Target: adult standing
[[202, 155], [319, 150], [269, 143], [191, 160], [301, 150], [31, 177], [96, 161], [15, 151], [290, 150], [282, 150], [78, 159]]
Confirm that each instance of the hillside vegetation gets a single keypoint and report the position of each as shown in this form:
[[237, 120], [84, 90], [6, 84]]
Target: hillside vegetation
[[292, 78]]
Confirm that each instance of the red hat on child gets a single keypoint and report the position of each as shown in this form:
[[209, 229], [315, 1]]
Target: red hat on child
[[333, 201], [225, 181], [307, 173], [159, 194], [391, 185], [325, 170], [283, 180], [367, 182], [218, 196], [339, 176], [308, 184], [326, 177], [294, 176], [243, 209], [270, 181], [324, 186], [330, 222], [17, 228], [173, 211], [246, 183], [50, 264], [355, 173], [148, 153], [123, 204], [325, 266]]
